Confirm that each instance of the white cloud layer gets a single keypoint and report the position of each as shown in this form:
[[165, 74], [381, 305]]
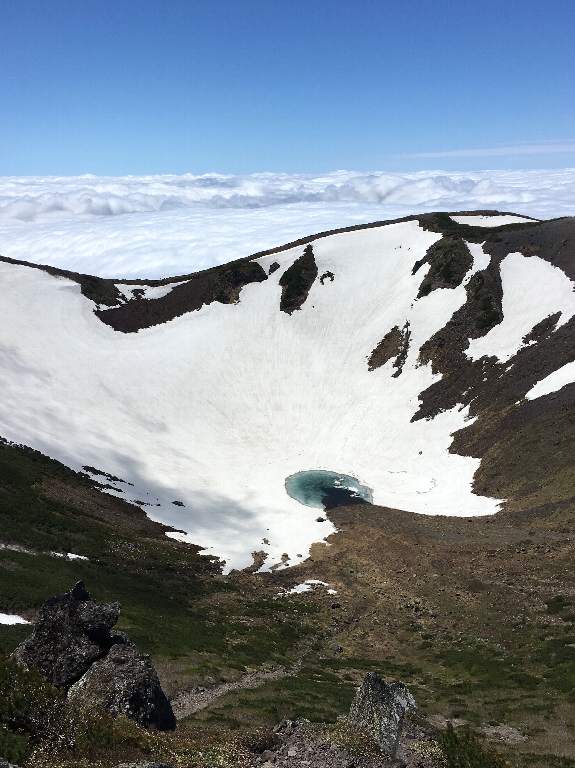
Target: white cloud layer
[[153, 226]]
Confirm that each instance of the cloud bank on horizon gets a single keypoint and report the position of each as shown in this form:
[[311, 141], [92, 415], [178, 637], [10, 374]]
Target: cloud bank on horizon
[[154, 226]]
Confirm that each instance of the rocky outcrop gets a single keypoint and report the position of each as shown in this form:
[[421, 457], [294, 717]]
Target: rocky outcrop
[[300, 744], [297, 280], [125, 683], [379, 708], [73, 646], [71, 632], [143, 765]]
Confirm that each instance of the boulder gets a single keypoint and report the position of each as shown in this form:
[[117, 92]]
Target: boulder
[[379, 708], [125, 682], [73, 646], [143, 765], [71, 632]]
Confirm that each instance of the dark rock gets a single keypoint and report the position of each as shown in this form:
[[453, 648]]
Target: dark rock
[[71, 632], [222, 284], [449, 261], [125, 682], [297, 280], [73, 645], [395, 344], [379, 708], [143, 765]]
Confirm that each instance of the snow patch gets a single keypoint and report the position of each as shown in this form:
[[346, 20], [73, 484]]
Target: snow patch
[[553, 382], [490, 221], [481, 260], [533, 289], [131, 291], [11, 619], [307, 586], [69, 555]]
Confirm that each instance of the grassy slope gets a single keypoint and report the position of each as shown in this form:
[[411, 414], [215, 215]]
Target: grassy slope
[[175, 603]]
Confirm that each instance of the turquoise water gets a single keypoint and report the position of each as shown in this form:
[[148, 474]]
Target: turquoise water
[[324, 490]]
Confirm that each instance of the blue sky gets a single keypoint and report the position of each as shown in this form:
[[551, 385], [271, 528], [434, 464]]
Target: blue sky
[[142, 86]]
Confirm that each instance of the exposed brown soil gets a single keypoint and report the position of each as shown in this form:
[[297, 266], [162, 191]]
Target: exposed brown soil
[[415, 593]]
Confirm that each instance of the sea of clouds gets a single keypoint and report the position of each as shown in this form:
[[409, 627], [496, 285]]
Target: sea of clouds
[[153, 226]]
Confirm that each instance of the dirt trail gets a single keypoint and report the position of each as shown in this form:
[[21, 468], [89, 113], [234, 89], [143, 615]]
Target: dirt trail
[[187, 703]]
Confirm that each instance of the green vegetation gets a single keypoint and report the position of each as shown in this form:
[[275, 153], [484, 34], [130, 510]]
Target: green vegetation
[[313, 693], [174, 602], [30, 709], [463, 750]]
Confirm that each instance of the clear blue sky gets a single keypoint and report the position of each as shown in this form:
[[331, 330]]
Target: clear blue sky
[[143, 86]]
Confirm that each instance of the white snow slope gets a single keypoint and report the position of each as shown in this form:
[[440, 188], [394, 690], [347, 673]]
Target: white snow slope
[[217, 407]]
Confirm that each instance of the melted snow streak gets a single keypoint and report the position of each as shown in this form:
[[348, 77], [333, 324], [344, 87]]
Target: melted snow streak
[[154, 226], [219, 406]]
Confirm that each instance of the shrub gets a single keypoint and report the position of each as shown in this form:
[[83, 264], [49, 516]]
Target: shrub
[[30, 709], [463, 750]]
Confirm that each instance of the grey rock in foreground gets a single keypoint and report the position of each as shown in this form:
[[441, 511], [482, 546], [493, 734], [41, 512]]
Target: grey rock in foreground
[[73, 646], [70, 633], [125, 682], [301, 744], [141, 765], [380, 708]]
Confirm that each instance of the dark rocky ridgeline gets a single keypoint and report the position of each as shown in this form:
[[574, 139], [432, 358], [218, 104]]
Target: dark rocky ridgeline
[[297, 280], [221, 284], [74, 648], [190, 292]]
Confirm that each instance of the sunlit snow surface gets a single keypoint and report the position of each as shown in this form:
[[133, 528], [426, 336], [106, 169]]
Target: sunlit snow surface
[[219, 406], [11, 619], [554, 382], [490, 221], [155, 226]]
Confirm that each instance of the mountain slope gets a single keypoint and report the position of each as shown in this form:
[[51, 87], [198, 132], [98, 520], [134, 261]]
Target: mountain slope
[[409, 356]]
